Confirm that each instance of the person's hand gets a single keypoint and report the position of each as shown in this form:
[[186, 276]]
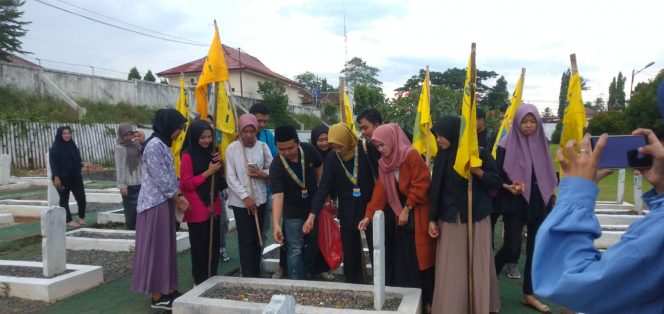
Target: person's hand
[[56, 182], [277, 234], [655, 174], [180, 202], [514, 188], [584, 163], [124, 192], [433, 229], [250, 205], [258, 174], [363, 224], [214, 166], [477, 171], [308, 224], [403, 217]]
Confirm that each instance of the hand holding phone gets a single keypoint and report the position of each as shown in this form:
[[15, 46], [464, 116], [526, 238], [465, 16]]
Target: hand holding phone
[[252, 167], [622, 151]]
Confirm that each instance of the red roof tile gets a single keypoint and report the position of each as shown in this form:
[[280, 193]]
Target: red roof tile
[[233, 57], [18, 60]]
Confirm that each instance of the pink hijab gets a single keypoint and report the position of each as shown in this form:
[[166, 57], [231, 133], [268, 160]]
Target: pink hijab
[[523, 154], [393, 138], [246, 120]]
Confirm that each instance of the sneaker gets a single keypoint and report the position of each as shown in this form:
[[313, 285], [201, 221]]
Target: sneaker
[[278, 274], [174, 295], [327, 276], [513, 271], [164, 303], [224, 257]]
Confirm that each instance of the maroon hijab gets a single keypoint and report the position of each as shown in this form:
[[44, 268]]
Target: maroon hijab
[[523, 154]]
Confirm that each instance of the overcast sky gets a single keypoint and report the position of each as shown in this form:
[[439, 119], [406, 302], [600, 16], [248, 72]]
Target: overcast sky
[[398, 37]]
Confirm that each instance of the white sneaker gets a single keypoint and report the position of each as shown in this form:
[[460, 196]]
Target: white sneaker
[[327, 276]]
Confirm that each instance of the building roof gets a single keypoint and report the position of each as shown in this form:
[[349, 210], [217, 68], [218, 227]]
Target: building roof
[[20, 61], [235, 60]]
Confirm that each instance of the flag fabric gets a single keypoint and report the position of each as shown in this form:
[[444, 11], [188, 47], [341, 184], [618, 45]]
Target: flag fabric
[[214, 70], [506, 124], [347, 113], [183, 108], [423, 140], [468, 155], [574, 120], [225, 127]]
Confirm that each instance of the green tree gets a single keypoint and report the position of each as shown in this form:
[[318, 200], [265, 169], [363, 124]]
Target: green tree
[[163, 81], [453, 79], [309, 80], [611, 103], [11, 29], [149, 77], [274, 95], [599, 105], [617, 93], [610, 122], [330, 113], [133, 74], [498, 95], [643, 111], [367, 97], [358, 72], [325, 87]]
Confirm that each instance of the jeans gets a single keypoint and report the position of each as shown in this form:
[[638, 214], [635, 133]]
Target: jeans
[[224, 223], [129, 203], [295, 241]]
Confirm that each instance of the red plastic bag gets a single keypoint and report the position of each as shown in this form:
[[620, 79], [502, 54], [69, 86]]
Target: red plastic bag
[[329, 237]]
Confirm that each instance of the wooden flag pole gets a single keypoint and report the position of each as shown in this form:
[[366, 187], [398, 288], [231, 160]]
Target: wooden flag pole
[[469, 224], [231, 100], [572, 59], [428, 86], [342, 93], [212, 189]]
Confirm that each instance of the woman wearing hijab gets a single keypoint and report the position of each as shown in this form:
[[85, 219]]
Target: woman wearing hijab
[[319, 139], [66, 163], [198, 165], [403, 184], [526, 169], [247, 168], [341, 176], [128, 165], [155, 268], [448, 218]]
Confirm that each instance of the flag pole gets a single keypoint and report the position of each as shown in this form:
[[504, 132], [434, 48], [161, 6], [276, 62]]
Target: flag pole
[[428, 86], [469, 224], [342, 92], [572, 59], [212, 189]]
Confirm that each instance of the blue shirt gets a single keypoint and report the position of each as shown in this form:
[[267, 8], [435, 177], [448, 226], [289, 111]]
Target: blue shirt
[[267, 137], [569, 270]]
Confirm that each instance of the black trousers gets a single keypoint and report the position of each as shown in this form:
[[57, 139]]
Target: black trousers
[[199, 238], [247, 239], [351, 241], [511, 248], [73, 184], [129, 203]]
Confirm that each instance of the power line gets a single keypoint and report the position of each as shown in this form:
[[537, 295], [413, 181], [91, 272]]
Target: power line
[[118, 27], [127, 23]]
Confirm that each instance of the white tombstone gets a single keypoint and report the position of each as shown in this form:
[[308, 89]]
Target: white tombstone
[[5, 168], [280, 304], [54, 252], [51, 193], [621, 186], [379, 259]]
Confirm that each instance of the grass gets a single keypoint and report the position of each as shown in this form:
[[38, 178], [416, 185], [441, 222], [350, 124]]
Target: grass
[[309, 121]]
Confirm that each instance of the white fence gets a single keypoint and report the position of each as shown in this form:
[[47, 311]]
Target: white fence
[[27, 143]]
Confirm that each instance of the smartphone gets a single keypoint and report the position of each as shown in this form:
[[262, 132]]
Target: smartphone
[[252, 167], [622, 151]]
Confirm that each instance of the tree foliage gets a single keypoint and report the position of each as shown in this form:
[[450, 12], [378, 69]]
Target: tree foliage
[[149, 77], [358, 72], [617, 93], [453, 79], [311, 81], [643, 111], [367, 97], [274, 95], [497, 95], [11, 29], [330, 113], [133, 74], [610, 122]]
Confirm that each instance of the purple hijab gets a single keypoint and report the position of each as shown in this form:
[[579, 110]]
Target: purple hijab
[[525, 153]]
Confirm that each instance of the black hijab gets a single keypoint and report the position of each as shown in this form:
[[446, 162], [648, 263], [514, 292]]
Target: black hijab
[[316, 132], [165, 123], [443, 167], [66, 153], [201, 157]]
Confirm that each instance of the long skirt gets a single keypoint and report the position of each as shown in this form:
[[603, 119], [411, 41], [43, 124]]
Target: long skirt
[[155, 268], [451, 285]]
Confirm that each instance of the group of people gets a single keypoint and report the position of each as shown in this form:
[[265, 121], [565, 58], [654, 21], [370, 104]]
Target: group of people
[[277, 181]]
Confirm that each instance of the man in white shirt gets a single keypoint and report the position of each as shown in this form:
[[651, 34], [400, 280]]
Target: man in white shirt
[[247, 167]]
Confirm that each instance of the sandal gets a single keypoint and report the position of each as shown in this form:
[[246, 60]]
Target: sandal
[[82, 222], [73, 224]]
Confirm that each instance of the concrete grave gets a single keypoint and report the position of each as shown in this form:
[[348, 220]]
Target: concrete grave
[[379, 260], [29, 208], [193, 301], [59, 284], [280, 304], [117, 216], [124, 241], [6, 219], [5, 168]]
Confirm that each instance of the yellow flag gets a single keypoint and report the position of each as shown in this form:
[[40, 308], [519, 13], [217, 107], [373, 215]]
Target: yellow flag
[[574, 119], [226, 129], [214, 70], [183, 108], [423, 140], [347, 113], [468, 155], [515, 102]]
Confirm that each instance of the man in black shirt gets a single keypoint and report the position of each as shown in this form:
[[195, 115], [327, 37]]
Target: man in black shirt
[[485, 136], [294, 178]]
